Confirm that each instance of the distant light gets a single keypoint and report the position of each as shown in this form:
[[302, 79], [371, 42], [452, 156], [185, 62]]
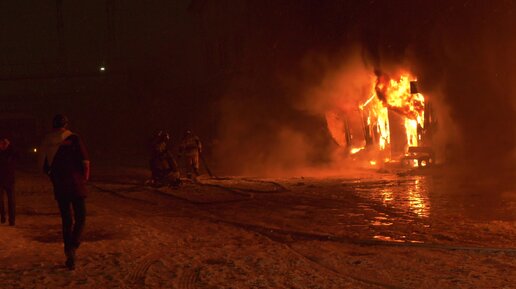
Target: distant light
[[372, 163], [35, 150], [102, 68]]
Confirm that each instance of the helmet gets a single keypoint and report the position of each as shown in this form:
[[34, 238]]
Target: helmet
[[60, 121], [163, 136], [4, 143]]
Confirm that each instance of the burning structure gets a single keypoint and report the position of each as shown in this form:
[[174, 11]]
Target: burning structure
[[394, 124]]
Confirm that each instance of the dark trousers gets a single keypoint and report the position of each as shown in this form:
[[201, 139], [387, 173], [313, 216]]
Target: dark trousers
[[11, 203], [192, 165], [72, 227]]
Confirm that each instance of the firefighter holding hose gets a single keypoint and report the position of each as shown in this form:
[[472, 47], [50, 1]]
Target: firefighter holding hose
[[162, 164], [191, 148]]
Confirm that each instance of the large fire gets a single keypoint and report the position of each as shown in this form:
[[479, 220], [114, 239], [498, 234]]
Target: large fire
[[397, 96], [387, 95]]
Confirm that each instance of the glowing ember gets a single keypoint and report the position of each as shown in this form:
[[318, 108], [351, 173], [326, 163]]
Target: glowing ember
[[367, 102], [356, 150]]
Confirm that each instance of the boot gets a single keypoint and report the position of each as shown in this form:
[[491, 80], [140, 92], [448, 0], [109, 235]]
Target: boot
[[70, 258]]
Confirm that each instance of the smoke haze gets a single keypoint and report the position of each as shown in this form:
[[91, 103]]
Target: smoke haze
[[256, 80], [461, 52]]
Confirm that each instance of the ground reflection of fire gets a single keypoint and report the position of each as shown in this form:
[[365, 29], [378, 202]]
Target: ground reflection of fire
[[418, 202], [412, 198], [387, 197]]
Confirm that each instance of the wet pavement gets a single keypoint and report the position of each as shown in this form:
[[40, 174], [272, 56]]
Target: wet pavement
[[413, 209], [372, 231]]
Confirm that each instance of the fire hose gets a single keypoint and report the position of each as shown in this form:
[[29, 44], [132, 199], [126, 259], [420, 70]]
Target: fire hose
[[205, 164]]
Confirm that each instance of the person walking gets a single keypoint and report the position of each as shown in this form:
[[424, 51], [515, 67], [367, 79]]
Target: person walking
[[65, 161]]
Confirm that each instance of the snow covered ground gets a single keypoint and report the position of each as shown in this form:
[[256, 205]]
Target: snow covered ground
[[367, 231]]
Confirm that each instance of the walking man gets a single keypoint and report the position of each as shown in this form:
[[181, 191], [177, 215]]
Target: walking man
[[66, 162], [7, 163]]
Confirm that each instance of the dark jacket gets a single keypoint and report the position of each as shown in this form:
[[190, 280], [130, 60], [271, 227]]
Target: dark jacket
[[67, 169], [7, 166], [162, 162]]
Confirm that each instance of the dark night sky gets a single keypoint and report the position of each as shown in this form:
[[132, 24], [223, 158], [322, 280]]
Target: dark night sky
[[174, 64]]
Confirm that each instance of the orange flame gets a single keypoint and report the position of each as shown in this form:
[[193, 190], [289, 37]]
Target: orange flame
[[388, 94], [396, 96]]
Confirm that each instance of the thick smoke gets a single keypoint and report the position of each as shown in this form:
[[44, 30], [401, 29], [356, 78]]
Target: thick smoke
[[282, 129], [273, 119], [469, 58], [346, 82], [261, 137]]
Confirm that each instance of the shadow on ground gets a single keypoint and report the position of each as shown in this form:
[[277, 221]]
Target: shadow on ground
[[52, 234]]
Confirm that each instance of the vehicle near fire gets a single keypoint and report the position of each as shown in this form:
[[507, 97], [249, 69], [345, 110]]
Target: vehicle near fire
[[420, 157]]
